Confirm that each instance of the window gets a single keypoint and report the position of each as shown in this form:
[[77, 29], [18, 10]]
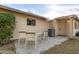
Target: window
[[31, 22], [76, 25]]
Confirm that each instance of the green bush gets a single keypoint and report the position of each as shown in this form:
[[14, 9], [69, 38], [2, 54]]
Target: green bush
[[7, 24]]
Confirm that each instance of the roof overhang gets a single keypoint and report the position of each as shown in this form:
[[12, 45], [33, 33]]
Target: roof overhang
[[67, 17], [23, 12]]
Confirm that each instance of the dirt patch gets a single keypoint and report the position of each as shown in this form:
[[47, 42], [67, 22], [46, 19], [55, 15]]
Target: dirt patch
[[68, 47], [8, 48]]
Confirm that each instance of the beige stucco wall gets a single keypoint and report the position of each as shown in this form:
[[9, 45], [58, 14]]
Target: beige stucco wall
[[64, 27], [72, 30], [75, 30], [21, 23], [42, 25], [59, 26], [53, 24], [69, 27]]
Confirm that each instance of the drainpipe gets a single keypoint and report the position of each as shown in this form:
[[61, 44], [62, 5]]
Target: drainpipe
[[65, 28], [72, 27]]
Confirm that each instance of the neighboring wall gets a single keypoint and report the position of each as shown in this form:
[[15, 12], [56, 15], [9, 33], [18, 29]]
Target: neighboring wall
[[62, 26], [53, 25], [67, 27], [72, 29], [59, 26], [21, 23], [75, 27]]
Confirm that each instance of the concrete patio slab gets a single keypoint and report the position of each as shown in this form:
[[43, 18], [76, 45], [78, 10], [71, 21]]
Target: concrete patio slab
[[41, 46]]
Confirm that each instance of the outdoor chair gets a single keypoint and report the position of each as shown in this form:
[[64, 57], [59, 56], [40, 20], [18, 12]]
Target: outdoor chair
[[45, 35], [21, 39], [40, 36], [31, 37]]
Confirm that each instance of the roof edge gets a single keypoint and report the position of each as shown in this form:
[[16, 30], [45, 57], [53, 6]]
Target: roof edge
[[23, 12]]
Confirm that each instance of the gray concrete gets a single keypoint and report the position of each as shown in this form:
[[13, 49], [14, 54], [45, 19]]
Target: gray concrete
[[41, 45]]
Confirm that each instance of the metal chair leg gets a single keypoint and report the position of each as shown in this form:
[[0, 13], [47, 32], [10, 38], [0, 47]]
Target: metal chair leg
[[25, 43], [18, 42], [35, 45]]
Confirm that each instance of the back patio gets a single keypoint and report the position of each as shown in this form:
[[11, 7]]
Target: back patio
[[42, 45], [28, 26]]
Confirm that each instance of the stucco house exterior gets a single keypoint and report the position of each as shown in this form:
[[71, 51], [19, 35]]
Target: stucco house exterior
[[65, 25], [28, 24]]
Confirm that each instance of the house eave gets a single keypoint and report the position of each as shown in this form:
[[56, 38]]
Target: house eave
[[23, 12]]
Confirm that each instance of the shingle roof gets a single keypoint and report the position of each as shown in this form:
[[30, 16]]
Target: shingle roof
[[69, 16]]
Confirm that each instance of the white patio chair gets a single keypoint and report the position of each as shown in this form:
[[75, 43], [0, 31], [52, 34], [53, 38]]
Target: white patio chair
[[22, 38], [30, 38], [45, 35], [39, 36]]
